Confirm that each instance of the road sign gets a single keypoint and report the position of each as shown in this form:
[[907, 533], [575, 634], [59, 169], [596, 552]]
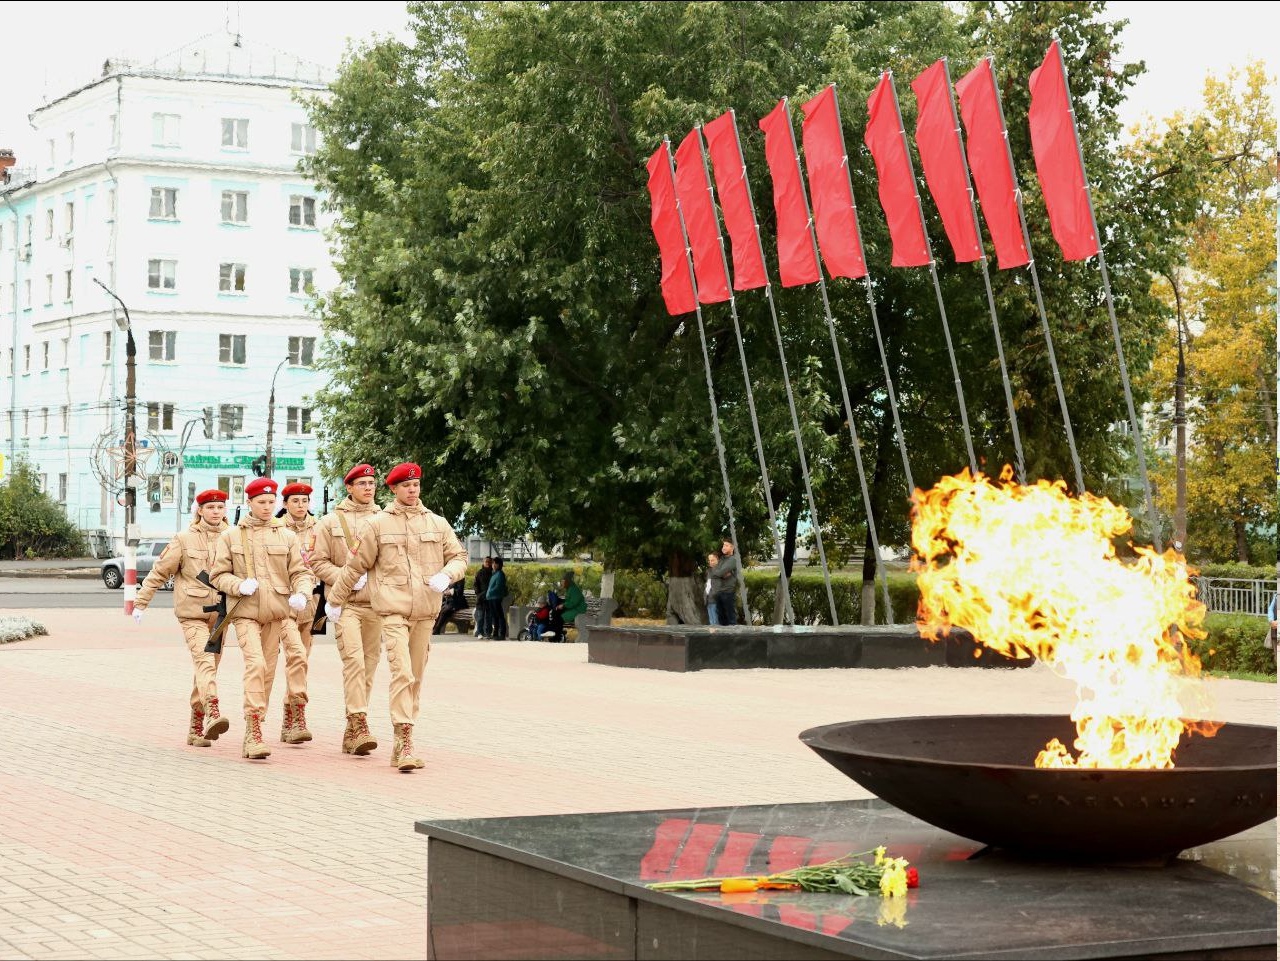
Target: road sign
[[170, 460]]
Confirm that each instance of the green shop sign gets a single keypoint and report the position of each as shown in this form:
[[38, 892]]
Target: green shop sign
[[237, 462]]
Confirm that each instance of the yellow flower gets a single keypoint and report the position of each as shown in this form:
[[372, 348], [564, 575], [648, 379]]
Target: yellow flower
[[893, 883], [880, 855]]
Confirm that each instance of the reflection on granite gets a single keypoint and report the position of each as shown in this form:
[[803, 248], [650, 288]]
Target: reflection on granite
[[1220, 897]]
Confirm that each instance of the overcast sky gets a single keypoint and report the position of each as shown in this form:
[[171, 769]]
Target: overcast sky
[[1181, 44]]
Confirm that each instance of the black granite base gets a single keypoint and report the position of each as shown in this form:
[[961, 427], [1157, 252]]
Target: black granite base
[[680, 647], [574, 886]]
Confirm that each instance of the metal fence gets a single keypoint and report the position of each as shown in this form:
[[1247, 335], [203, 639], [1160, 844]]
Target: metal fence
[[1226, 595]]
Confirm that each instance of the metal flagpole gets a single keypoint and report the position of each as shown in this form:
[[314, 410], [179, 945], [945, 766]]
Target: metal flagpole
[[1152, 517], [1035, 286], [835, 349], [789, 614], [1020, 461], [937, 286], [711, 392], [786, 380]]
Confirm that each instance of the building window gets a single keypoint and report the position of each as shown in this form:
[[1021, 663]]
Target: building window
[[235, 133], [230, 421], [298, 480], [45, 350], [26, 423], [106, 346], [164, 203], [231, 278], [299, 420], [302, 211], [231, 348], [303, 139], [165, 129], [235, 207], [67, 288], [44, 423], [233, 487], [71, 147], [159, 416], [301, 280], [44, 483], [26, 358], [26, 295], [302, 351], [162, 274], [48, 290], [163, 344], [48, 224], [69, 218], [31, 235], [66, 351], [66, 420], [62, 487]]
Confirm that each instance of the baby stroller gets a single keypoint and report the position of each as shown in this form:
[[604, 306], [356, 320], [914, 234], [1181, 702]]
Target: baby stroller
[[538, 621]]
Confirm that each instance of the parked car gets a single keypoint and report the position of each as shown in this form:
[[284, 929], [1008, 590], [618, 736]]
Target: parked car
[[148, 551]]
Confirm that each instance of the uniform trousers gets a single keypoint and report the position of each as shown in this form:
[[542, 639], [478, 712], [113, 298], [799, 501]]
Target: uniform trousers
[[260, 644], [408, 642], [196, 630], [359, 637]]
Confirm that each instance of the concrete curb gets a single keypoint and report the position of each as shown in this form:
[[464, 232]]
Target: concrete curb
[[86, 573]]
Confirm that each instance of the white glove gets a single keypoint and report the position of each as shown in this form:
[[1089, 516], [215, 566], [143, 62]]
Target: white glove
[[364, 579], [137, 614], [440, 583], [247, 586], [298, 601], [332, 612]]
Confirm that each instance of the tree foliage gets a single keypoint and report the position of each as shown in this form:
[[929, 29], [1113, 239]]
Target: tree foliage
[[33, 524], [501, 320]]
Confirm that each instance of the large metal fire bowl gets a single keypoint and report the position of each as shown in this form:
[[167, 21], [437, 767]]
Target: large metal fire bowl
[[974, 776]]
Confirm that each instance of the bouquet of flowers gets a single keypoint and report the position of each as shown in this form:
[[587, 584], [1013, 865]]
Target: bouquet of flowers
[[851, 874]]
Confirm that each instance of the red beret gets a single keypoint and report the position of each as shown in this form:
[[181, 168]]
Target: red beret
[[360, 470], [217, 496], [403, 472], [290, 489], [261, 485]]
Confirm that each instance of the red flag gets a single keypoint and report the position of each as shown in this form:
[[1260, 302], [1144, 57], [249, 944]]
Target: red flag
[[677, 282], [796, 262], [888, 146], [990, 165], [833, 211], [1057, 153], [943, 161], [735, 201], [694, 191]]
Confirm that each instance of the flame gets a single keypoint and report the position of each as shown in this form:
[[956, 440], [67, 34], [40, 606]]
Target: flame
[[1031, 571]]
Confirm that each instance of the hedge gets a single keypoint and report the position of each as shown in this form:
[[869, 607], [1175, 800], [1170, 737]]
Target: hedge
[[1235, 644], [638, 593], [809, 596], [1245, 572]]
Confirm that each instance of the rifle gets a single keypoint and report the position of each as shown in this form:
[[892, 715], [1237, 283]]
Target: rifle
[[321, 623], [214, 644]]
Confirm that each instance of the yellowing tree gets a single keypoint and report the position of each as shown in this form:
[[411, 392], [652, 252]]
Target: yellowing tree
[[1224, 299]]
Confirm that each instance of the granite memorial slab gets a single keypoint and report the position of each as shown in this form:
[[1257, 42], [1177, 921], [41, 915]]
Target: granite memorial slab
[[574, 886]]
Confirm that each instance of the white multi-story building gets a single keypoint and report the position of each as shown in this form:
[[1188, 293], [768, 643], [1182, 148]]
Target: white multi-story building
[[175, 185]]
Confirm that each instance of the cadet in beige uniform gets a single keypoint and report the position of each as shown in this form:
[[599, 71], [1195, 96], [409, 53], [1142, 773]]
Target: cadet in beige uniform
[[411, 557], [189, 553], [297, 518], [358, 631], [258, 565]]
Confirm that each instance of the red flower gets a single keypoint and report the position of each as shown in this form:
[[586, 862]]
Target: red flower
[[913, 878]]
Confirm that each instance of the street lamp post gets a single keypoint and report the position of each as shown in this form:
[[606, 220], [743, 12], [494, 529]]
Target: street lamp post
[[130, 455], [271, 417], [182, 463]]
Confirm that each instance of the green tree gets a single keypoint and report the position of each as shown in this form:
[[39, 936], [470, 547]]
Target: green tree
[[32, 524], [501, 319]]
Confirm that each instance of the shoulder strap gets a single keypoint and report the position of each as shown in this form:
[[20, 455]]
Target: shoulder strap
[[248, 552], [346, 531]]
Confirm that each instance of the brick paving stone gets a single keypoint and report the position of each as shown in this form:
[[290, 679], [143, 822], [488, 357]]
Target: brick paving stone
[[135, 845]]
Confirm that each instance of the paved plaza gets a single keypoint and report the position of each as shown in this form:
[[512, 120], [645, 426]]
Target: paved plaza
[[119, 841]]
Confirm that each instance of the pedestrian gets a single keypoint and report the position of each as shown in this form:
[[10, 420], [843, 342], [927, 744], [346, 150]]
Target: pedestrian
[[571, 603], [188, 554], [410, 557], [258, 565], [297, 518], [454, 600], [713, 609], [481, 585], [358, 632], [495, 596], [724, 584]]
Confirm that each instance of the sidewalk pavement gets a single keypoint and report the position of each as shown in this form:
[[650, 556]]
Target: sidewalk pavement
[[119, 841], [56, 567]]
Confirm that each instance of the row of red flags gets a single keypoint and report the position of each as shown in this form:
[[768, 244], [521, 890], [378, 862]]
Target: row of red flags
[[1054, 145]]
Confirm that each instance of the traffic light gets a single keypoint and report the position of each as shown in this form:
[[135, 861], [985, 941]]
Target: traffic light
[[208, 423]]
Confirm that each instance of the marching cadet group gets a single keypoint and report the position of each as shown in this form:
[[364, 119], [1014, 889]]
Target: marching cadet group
[[384, 570]]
